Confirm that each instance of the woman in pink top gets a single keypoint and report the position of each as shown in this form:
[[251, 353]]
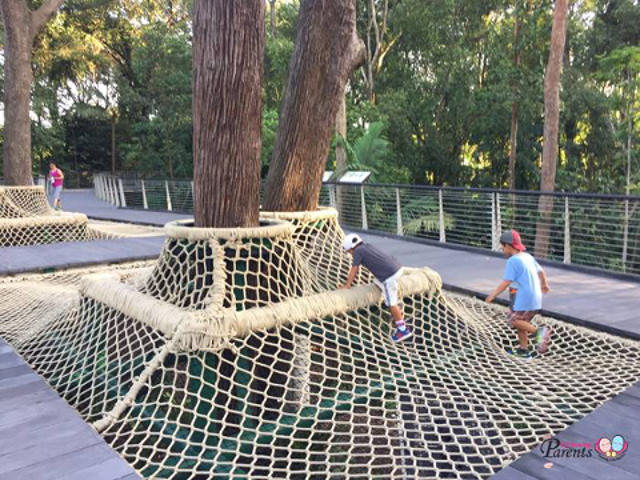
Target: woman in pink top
[[56, 177]]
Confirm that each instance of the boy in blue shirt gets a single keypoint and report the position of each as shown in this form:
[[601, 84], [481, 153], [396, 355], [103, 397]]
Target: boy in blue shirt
[[529, 281]]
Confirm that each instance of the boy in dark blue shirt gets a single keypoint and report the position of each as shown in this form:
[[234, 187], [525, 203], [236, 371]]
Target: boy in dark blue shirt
[[529, 281], [386, 271]]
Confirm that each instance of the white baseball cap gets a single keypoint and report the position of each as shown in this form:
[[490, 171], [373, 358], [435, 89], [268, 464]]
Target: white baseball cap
[[350, 241]]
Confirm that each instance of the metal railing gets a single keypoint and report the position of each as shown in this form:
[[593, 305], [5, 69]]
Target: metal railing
[[594, 230]]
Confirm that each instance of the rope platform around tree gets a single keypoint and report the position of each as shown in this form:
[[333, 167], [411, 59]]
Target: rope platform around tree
[[234, 356], [27, 219]]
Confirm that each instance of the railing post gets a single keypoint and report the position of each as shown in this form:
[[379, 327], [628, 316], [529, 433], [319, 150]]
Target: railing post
[[332, 197], [494, 229], [496, 222], [112, 191], [399, 229], [443, 235], [193, 196], [145, 204], [365, 225], [166, 187], [567, 232], [123, 200], [498, 219], [625, 235], [107, 195], [101, 191]]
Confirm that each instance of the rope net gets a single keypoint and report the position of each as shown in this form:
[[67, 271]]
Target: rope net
[[27, 219], [234, 356]]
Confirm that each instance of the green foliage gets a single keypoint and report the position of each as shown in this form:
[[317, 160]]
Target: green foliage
[[442, 97]]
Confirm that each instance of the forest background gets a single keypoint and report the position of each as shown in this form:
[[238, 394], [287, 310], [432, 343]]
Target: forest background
[[443, 86]]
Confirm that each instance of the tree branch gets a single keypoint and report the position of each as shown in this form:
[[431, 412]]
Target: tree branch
[[42, 15]]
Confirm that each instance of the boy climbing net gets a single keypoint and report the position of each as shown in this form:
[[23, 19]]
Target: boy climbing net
[[386, 271], [528, 281]]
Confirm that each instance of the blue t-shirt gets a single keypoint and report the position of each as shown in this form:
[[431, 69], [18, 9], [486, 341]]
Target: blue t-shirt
[[522, 271]]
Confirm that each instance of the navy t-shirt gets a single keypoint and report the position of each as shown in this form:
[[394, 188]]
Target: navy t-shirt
[[379, 263]]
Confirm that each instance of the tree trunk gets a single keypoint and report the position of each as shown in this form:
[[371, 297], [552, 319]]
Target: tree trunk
[[114, 155], [228, 46], [513, 140], [20, 28], [551, 119], [341, 152], [272, 12], [17, 89], [326, 52]]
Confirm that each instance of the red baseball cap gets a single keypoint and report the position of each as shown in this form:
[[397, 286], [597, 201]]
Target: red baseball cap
[[512, 237]]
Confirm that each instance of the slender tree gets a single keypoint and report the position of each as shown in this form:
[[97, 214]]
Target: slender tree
[[378, 42], [21, 26], [228, 46], [551, 119], [517, 60], [327, 50], [272, 17]]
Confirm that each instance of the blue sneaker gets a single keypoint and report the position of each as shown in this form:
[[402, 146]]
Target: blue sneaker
[[399, 335], [519, 352]]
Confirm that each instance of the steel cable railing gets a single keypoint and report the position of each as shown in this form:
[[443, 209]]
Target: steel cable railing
[[601, 231]]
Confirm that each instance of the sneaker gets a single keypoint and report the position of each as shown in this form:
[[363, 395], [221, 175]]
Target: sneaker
[[519, 352], [542, 339], [399, 335]]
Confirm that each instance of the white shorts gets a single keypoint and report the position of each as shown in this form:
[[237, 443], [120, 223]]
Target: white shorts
[[389, 288]]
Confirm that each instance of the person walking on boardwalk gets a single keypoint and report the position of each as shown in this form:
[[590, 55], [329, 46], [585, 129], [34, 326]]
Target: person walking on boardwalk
[[386, 271], [529, 281], [56, 177]]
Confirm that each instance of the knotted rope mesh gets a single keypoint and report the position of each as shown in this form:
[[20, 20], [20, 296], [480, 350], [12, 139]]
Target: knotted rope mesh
[[27, 219], [234, 356]]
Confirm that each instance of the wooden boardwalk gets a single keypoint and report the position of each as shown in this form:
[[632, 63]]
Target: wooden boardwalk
[[41, 437], [84, 201], [59, 256]]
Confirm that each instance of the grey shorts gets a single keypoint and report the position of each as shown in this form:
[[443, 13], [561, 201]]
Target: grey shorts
[[56, 192]]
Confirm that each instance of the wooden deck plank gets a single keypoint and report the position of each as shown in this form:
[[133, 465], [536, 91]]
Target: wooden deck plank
[[70, 463], [41, 437]]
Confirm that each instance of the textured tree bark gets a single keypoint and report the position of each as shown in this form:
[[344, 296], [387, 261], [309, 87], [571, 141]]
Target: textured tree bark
[[21, 25], [513, 139], [272, 15], [551, 119], [326, 52], [228, 46], [341, 152]]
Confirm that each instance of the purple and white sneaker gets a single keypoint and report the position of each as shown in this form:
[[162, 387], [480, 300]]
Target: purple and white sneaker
[[542, 339], [400, 335]]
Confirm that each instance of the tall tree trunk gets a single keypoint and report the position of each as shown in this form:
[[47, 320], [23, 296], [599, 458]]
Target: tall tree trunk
[[18, 78], [228, 46], [21, 25], [341, 152], [272, 12], [114, 155], [551, 119], [513, 139], [326, 52]]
